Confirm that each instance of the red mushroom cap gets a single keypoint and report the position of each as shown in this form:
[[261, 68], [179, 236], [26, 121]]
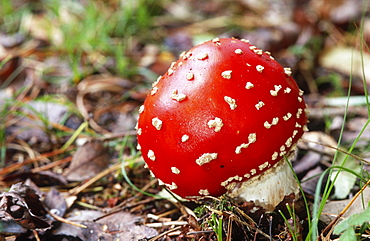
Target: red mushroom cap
[[224, 112]]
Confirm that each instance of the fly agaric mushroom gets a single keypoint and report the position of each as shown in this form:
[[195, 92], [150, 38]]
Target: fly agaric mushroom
[[222, 120]]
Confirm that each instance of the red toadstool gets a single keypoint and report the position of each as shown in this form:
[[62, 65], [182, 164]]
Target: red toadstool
[[222, 119]]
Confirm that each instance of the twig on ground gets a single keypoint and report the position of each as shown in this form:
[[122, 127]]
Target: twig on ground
[[329, 229]]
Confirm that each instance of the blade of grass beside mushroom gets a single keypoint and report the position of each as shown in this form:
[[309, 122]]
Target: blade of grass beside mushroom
[[222, 120]]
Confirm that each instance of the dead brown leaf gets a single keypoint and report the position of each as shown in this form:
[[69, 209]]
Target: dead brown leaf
[[117, 226], [89, 160]]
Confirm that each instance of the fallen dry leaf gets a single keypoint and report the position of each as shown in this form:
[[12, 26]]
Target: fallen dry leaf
[[333, 208], [89, 160], [35, 118], [348, 61], [117, 226], [21, 205]]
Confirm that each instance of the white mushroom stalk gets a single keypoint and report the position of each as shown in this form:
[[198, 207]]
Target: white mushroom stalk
[[268, 189]]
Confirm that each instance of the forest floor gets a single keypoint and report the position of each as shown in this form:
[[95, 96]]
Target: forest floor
[[73, 75]]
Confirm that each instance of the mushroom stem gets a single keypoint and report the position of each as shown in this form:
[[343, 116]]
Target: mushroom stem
[[268, 189]]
